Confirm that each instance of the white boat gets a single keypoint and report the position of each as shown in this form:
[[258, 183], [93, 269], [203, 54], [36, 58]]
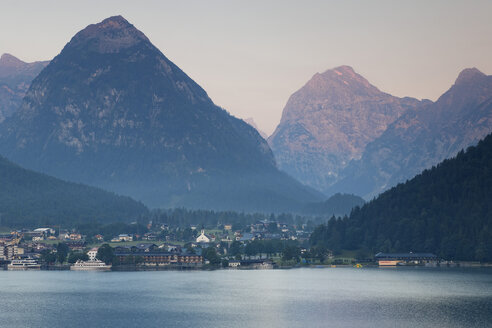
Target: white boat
[[93, 265], [24, 264]]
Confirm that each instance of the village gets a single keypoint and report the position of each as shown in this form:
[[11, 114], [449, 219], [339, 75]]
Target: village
[[259, 245], [263, 244]]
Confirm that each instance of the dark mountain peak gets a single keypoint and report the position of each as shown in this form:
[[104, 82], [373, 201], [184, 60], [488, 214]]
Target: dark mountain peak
[[110, 35], [116, 21], [122, 116], [469, 75], [7, 60]]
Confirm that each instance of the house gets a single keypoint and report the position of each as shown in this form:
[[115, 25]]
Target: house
[[203, 238], [75, 236], [99, 237], [234, 264], [228, 227], [92, 253], [257, 264], [246, 237], [150, 236], [122, 237], [38, 238], [392, 259], [76, 245], [46, 231]]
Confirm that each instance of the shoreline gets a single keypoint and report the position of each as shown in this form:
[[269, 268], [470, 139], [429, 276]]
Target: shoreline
[[130, 268]]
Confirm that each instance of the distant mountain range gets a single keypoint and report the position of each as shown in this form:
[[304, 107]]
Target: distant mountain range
[[15, 78], [341, 134], [423, 137], [445, 210], [329, 122], [112, 111], [29, 199]]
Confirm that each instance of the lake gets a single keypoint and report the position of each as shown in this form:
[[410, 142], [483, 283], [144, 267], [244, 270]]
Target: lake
[[330, 297]]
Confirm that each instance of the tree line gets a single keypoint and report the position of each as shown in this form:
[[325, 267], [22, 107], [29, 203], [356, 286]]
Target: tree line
[[445, 210]]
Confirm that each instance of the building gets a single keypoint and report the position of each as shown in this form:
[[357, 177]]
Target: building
[[392, 259], [99, 237], [257, 264], [92, 254], [8, 252], [125, 237], [45, 231], [75, 236], [203, 238], [122, 237], [162, 258]]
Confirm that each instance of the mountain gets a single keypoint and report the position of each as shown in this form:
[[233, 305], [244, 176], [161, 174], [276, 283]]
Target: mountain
[[329, 122], [338, 205], [28, 199], [15, 78], [252, 122], [423, 137], [112, 111], [445, 210]]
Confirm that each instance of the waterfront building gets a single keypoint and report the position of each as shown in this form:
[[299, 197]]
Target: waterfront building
[[162, 259], [257, 264], [392, 259], [91, 265]]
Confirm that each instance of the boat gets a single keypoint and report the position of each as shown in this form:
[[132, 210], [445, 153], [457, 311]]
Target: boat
[[91, 265], [24, 264]]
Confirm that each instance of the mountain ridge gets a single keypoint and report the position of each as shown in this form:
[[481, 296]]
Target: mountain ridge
[[119, 115], [423, 137], [329, 121], [15, 78], [28, 198], [443, 210]]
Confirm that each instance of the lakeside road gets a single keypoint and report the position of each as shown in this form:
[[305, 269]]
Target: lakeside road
[[341, 297]]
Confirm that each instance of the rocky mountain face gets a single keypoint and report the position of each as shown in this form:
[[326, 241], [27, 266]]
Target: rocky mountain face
[[423, 137], [15, 78], [112, 111], [329, 122]]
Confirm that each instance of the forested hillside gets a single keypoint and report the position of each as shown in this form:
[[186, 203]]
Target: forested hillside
[[446, 210], [28, 198], [338, 205]]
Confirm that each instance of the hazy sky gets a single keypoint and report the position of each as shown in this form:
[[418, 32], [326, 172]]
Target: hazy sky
[[250, 56]]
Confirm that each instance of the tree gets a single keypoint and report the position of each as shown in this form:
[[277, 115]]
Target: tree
[[105, 253], [235, 248], [75, 256], [48, 257], [212, 256], [291, 253], [61, 252]]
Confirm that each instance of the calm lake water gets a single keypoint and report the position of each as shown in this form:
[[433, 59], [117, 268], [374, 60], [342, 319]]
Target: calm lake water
[[339, 297]]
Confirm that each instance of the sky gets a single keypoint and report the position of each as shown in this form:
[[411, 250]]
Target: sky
[[250, 56]]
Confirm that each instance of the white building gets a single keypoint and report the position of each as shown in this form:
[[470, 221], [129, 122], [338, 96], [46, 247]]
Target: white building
[[203, 238], [92, 254], [122, 237]]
